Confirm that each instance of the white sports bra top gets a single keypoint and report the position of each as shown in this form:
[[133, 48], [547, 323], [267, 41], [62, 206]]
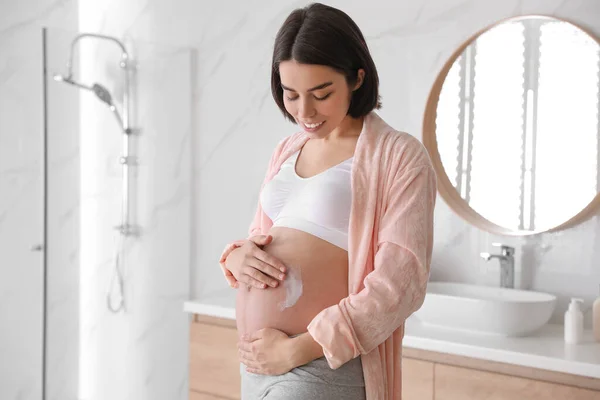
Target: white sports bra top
[[319, 205]]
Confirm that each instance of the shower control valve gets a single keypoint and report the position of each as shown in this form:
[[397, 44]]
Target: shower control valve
[[128, 230], [129, 160]]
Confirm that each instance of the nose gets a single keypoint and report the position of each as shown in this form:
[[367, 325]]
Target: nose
[[306, 109]]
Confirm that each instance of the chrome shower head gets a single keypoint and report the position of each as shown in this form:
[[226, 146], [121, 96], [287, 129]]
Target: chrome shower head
[[100, 91], [103, 94]]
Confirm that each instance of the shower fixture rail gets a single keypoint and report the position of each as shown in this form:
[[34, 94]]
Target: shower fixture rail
[[126, 160], [126, 228]]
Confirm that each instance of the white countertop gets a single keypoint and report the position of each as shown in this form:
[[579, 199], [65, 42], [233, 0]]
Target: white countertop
[[545, 349]]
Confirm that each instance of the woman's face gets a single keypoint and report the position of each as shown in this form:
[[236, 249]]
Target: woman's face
[[317, 96]]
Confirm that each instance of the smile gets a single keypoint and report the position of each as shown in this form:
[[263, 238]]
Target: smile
[[313, 126]]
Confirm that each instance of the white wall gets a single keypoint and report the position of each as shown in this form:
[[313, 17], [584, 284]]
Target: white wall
[[141, 352], [21, 190], [236, 125]]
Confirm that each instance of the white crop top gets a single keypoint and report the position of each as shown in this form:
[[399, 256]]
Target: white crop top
[[319, 205]]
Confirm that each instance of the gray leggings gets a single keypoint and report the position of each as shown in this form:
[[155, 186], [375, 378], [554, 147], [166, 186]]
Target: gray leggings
[[313, 381]]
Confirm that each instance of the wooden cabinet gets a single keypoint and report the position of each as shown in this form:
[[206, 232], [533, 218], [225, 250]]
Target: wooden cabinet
[[205, 396], [457, 383], [417, 379], [215, 373], [214, 365]]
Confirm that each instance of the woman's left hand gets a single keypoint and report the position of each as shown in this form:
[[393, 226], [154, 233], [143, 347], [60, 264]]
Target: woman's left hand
[[266, 352]]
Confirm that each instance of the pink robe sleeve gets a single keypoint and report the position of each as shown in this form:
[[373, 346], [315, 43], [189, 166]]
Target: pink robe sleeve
[[256, 225], [396, 286]]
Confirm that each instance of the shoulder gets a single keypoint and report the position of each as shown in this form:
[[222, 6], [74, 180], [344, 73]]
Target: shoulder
[[287, 144], [289, 141], [408, 150], [401, 149], [408, 160]]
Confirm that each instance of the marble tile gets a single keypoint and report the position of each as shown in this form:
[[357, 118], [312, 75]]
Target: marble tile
[[410, 43], [204, 147], [22, 195], [149, 340]]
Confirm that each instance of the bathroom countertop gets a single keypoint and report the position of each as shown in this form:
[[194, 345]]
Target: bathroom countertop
[[544, 349]]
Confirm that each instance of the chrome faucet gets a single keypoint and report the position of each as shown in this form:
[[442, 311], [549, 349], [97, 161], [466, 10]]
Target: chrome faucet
[[507, 264]]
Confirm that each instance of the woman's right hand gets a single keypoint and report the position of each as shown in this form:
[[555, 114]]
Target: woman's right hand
[[253, 266]]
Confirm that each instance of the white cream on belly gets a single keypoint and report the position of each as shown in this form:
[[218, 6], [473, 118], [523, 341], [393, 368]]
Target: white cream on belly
[[293, 288]]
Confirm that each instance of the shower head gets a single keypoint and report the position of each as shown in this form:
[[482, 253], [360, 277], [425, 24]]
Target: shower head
[[100, 91], [103, 94]]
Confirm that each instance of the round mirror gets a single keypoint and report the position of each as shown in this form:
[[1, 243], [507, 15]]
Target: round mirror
[[512, 126]]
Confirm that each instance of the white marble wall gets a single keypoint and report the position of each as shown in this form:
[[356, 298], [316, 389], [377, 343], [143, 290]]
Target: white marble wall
[[141, 352], [63, 223], [235, 126], [91, 353], [238, 124], [21, 191]]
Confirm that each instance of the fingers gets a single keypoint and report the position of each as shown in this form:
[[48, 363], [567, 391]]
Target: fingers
[[268, 271], [259, 334], [246, 356], [231, 281], [258, 268], [270, 260], [245, 347], [248, 280], [256, 278], [247, 360], [266, 257], [261, 240]]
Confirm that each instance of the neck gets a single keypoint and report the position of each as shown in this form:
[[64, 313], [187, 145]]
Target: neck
[[348, 128]]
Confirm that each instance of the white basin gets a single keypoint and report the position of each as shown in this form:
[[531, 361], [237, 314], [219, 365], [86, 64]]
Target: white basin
[[484, 309]]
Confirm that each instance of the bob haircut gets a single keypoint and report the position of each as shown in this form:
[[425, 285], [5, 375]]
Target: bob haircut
[[323, 35]]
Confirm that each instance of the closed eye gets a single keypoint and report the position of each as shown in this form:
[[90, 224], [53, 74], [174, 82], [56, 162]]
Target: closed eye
[[316, 97], [324, 97]]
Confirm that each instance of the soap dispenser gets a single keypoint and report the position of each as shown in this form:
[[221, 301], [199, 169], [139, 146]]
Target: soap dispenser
[[574, 322]]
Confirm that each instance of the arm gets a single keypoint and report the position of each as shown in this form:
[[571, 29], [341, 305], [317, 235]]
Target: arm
[[396, 287], [304, 349]]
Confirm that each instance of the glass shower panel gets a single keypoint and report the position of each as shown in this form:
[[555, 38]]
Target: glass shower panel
[[118, 212], [21, 208]]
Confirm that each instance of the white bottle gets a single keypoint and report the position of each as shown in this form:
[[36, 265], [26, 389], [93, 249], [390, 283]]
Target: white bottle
[[596, 319], [574, 322]]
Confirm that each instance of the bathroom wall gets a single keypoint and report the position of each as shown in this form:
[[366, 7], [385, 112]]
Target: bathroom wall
[[234, 127], [21, 191], [139, 352], [91, 353], [238, 124]]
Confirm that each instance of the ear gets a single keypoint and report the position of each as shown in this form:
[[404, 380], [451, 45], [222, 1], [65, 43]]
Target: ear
[[360, 78]]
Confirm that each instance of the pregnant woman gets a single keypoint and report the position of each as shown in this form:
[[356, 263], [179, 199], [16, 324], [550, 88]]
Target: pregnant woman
[[339, 250]]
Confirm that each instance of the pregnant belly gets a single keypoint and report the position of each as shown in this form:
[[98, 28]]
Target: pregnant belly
[[317, 278]]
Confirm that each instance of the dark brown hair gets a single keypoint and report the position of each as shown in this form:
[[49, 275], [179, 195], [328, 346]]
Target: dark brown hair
[[323, 35]]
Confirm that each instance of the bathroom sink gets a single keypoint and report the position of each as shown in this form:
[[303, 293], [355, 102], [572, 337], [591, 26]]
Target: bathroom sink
[[484, 309]]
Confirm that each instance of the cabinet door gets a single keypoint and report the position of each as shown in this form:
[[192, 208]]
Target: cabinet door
[[417, 379], [204, 396], [214, 363], [456, 383]]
